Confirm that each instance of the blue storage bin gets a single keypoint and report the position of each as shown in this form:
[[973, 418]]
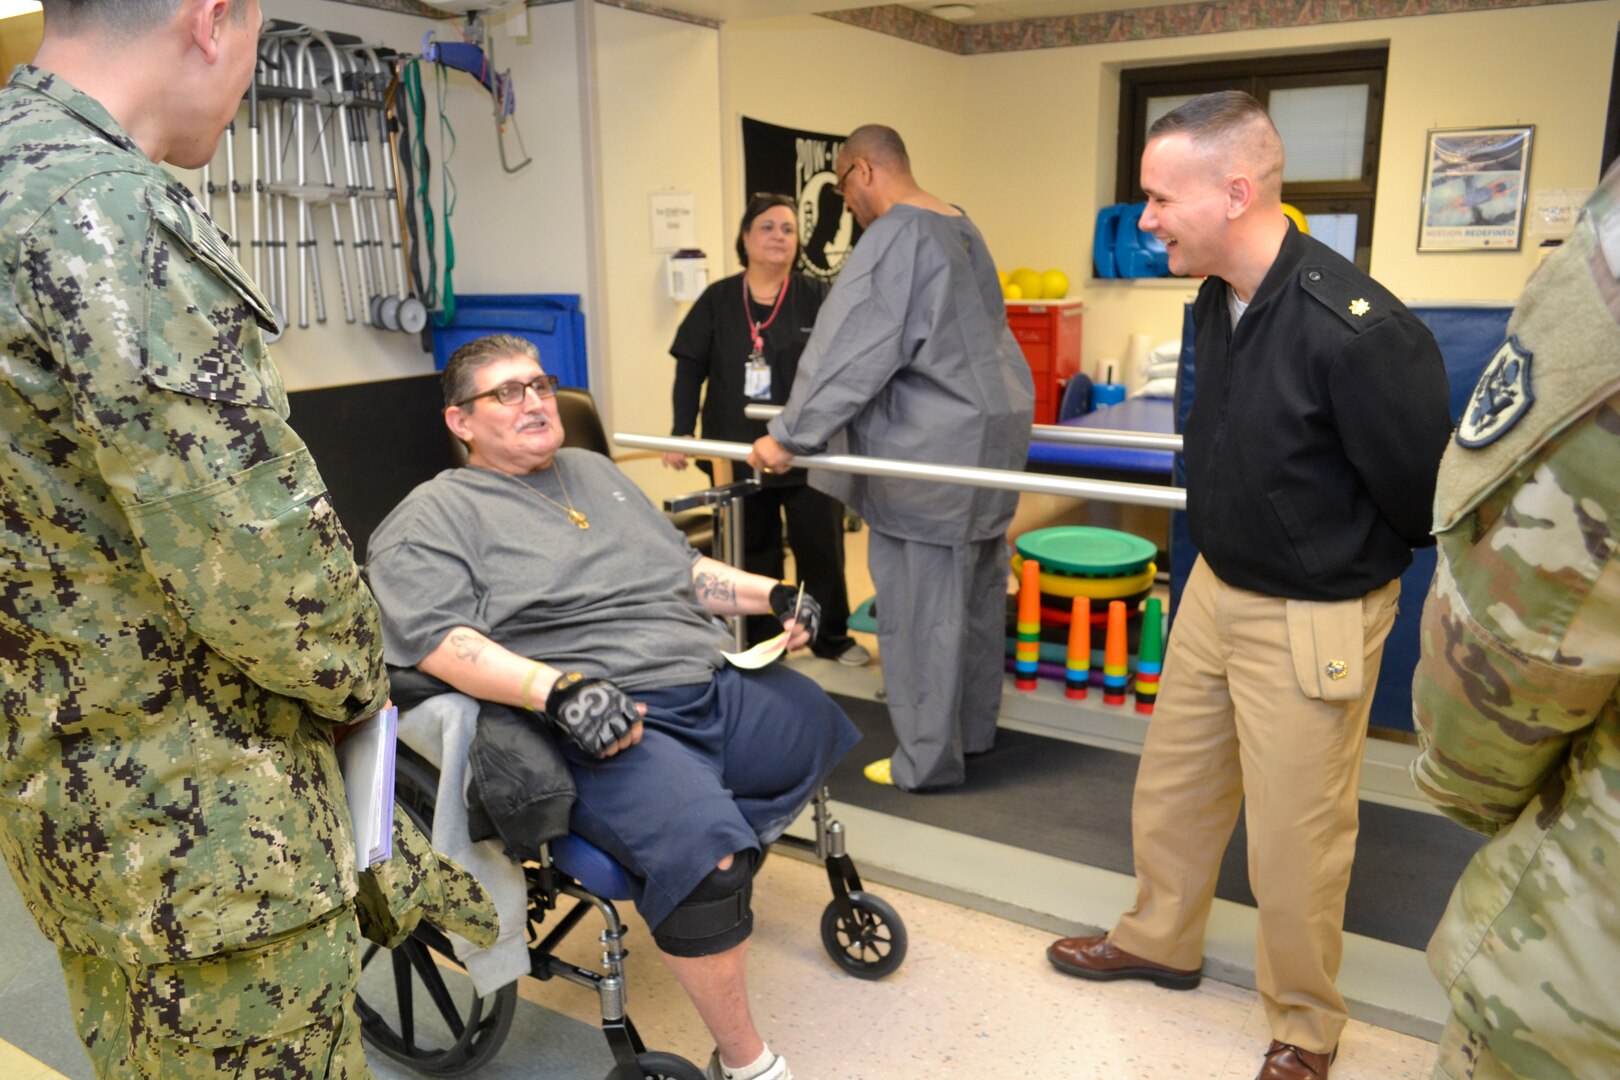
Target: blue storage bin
[[1138, 254], [553, 321], [1102, 242]]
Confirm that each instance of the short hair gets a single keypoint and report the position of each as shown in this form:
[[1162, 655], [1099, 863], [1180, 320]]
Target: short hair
[[880, 145], [461, 370], [132, 17], [1233, 123], [757, 205]]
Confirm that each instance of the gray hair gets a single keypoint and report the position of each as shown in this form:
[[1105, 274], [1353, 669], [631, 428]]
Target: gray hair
[[461, 370]]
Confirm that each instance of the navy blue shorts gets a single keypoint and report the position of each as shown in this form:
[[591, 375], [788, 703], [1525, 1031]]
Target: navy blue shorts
[[721, 767]]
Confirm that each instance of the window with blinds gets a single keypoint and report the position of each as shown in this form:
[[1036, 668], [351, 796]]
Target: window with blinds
[[1328, 107]]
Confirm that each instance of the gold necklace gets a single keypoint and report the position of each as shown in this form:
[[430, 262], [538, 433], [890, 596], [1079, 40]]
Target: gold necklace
[[573, 515]]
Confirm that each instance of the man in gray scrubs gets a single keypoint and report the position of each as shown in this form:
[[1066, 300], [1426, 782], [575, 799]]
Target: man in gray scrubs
[[911, 359]]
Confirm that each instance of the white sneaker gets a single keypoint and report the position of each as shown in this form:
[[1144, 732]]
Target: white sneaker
[[778, 1071], [855, 656]]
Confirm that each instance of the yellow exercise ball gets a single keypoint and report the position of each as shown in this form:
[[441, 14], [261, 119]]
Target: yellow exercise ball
[[1010, 291], [1297, 218], [1028, 282], [1054, 285]]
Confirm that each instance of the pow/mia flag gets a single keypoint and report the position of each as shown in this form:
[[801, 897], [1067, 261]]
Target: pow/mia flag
[[1501, 397], [799, 164]]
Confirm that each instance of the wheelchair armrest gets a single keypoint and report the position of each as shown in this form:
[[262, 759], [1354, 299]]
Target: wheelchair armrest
[[409, 686]]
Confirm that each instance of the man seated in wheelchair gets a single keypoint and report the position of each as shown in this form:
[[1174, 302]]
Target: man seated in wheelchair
[[540, 577]]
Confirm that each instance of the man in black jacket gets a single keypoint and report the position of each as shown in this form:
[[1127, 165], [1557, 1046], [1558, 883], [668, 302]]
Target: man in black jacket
[[1312, 448]]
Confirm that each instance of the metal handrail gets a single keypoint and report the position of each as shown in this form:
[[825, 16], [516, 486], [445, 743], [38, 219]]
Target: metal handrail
[[1056, 433], [1002, 479]]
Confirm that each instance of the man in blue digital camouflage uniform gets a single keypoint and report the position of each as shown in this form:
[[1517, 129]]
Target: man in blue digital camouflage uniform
[[181, 621]]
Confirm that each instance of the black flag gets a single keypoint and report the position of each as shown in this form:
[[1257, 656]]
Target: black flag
[[799, 164]]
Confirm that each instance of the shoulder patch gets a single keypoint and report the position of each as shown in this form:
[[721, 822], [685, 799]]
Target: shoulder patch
[[203, 239], [1358, 303], [1501, 398]]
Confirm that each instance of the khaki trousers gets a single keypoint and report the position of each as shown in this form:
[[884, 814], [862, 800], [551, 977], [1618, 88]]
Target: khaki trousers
[[1247, 711]]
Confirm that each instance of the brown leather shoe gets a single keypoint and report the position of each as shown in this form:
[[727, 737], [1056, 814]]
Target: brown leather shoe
[[1098, 958], [1285, 1061]]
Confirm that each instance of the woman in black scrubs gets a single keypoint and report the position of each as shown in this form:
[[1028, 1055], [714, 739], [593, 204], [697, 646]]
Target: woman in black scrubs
[[743, 338]]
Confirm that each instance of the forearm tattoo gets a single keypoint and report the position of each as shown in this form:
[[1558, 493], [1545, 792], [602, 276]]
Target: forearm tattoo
[[713, 589], [468, 645]]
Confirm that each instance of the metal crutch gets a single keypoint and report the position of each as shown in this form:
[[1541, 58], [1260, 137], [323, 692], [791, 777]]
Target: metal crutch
[[256, 181], [362, 87], [307, 277], [340, 106], [231, 187], [275, 284], [306, 65]]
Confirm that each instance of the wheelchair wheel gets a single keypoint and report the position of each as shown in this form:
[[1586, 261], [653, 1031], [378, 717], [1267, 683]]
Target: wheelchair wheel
[[652, 1065], [458, 1034], [461, 1031], [871, 944]]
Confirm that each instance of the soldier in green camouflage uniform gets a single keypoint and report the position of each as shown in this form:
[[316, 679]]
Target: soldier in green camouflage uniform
[[181, 620], [1517, 696]]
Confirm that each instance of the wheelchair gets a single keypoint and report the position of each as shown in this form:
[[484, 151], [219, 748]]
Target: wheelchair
[[461, 1031]]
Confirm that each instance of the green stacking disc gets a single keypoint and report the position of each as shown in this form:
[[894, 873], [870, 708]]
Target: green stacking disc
[[1087, 551]]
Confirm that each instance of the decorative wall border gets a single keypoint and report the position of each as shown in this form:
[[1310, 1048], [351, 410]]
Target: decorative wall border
[[400, 7], [414, 7], [647, 9], [1145, 24]]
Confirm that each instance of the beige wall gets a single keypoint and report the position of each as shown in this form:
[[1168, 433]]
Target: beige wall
[[19, 40], [658, 86], [812, 73], [1034, 131]]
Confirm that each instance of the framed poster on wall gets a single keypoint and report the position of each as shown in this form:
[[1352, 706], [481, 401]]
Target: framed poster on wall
[[1474, 186]]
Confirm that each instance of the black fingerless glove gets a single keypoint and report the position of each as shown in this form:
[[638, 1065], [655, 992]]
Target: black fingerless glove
[[783, 598], [593, 714]]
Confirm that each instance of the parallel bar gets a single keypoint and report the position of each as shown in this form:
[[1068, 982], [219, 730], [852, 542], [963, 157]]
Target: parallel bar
[[1052, 433], [1104, 490]]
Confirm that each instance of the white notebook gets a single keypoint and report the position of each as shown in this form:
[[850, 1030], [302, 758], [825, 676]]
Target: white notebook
[[366, 758]]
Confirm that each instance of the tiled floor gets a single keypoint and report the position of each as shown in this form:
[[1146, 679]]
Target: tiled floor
[[975, 998]]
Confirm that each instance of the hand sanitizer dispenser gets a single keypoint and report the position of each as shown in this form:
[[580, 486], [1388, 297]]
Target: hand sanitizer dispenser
[[688, 274]]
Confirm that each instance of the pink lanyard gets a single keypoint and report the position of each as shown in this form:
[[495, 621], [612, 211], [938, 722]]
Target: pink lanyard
[[757, 330]]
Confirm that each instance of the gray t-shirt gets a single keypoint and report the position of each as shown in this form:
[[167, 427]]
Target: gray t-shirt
[[475, 548]]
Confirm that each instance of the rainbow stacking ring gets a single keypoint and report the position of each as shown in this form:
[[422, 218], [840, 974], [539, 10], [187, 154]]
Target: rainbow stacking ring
[[1086, 551]]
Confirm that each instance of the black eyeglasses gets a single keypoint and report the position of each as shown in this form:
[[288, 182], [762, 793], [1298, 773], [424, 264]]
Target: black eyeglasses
[[511, 393], [838, 188]]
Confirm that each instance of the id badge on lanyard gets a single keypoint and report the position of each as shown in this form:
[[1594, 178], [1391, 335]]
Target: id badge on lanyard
[[757, 377], [757, 373]]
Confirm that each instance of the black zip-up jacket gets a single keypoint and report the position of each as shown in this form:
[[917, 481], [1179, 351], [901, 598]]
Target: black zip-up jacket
[[1316, 430]]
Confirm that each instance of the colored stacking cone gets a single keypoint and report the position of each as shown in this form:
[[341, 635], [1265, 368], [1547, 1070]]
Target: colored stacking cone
[[1149, 657], [1027, 653], [1116, 670], [1077, 671]]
